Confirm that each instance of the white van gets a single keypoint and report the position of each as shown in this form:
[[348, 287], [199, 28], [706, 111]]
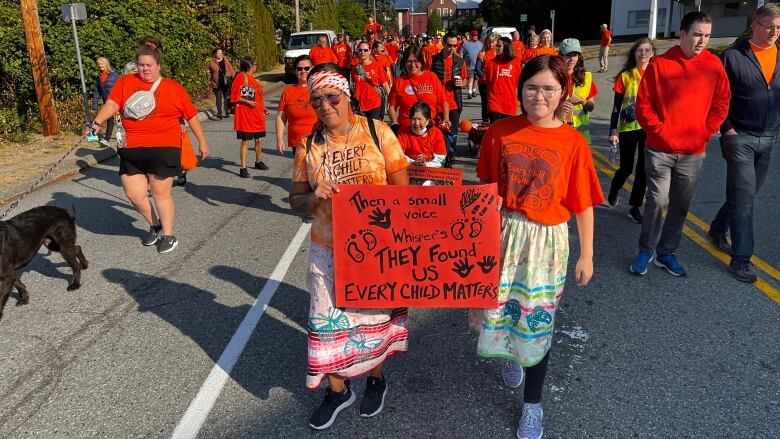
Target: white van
[[501, 31], [299, 44]]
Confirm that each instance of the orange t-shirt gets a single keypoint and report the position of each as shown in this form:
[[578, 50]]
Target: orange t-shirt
[[429, 144], [300, 116], [606, 37], [365, 89], [485, 56], [248, 119], [502, 80], [428, 52], [374, 27], [768, 60], [322, 55], [161, 127], [544, 173], [407, 91], [351, 159], [392, 51], [519, 48], [341, 51]]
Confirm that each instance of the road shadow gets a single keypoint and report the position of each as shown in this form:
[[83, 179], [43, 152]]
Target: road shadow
[[215, 195], [199, 315], [101, 216]]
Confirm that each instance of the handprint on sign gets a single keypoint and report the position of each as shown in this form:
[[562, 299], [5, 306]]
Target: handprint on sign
[[379, 218], [487, 263], [463, 268]]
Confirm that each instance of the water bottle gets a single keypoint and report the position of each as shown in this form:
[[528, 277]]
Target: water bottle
[[614, 152], [121, 140]]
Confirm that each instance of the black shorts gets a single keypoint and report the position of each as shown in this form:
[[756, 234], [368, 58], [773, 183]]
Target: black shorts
[[163, 162], [242, 135]]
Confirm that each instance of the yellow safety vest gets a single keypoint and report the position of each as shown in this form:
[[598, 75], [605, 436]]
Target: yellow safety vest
[[627, 120], [581, 118]]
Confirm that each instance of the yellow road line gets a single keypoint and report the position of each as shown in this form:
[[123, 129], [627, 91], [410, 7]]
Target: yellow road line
[[697, 238], [698, 222]]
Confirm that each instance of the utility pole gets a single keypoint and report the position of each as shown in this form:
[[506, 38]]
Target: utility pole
[[297, 16], [40, 71], [651, 32], [375, 18]]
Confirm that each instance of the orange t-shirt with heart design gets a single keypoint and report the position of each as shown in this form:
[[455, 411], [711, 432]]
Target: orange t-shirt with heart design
[[350, 159], [544, 173]]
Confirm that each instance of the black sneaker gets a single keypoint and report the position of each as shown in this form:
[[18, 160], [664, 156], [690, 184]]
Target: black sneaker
[[720, 242], [373, 397], [635, 215], [181, 180], [743, 272], [243, 173], [167, 244], [331, 406], [261, 166], [612, 199], [153, 236]]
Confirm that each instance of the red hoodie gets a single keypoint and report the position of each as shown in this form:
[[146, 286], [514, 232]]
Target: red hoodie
[[691, 94]]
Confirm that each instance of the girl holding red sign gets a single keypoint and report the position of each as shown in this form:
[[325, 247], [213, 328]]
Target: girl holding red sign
[[544, 172], [343, 342]]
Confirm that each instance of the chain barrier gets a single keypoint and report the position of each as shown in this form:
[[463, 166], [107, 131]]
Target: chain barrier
[[40, 179]]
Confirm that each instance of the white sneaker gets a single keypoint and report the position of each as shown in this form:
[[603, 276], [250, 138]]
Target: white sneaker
[[104, 143], [531, 422], [512, 374]]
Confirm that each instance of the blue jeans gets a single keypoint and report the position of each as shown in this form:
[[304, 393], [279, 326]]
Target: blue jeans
[[747, 161]]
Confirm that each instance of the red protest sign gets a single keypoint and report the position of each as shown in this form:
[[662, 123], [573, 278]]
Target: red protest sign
[[417, 246], [438, 176]]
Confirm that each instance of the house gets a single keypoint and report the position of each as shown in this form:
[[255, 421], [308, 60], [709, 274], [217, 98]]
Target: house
[[632, 17], [446, 10], [468, 10], [411, 23]]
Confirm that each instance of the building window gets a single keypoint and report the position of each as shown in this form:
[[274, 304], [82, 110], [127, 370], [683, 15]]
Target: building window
[[641, 19]]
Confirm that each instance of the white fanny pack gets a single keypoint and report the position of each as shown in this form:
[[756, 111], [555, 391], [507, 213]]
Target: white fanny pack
[[141, 103]]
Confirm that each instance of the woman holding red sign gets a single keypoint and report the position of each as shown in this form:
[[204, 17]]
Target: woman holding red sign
[[344, 343], [544, 172]]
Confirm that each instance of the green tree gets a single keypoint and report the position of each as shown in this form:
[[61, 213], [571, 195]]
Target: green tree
[[326, 17], [434, 23], [351, 18]]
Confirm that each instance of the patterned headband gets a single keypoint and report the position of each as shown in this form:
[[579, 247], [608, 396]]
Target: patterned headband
[[325, 79]]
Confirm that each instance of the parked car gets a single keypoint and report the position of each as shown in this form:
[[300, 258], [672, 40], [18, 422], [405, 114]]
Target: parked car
[[299, 44], [501, 31]]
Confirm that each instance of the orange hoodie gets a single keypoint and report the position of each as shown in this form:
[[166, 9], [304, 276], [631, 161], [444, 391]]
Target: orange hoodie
[[682, 101]]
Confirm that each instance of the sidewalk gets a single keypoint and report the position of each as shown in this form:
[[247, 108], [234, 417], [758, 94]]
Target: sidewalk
[[18, 176]]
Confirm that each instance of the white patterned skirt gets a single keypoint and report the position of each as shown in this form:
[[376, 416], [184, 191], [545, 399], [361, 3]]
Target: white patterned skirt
[[533, 272]]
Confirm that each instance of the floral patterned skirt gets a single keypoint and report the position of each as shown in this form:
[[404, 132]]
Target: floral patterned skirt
[[533, 272], [346, 342]]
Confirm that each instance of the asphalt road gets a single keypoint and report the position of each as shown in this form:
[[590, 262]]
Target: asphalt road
[[125, 355]]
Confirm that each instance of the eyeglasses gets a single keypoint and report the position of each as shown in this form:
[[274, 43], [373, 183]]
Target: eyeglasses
[[413, 61], [303, 69], [771, 29], [645, 50], [333, 100], [364, 50], [532, 91]]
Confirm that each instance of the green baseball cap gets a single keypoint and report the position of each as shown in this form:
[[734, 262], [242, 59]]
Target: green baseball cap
[[569, 45]]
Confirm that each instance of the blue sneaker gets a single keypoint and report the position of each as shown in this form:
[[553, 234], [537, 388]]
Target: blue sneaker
[[671, 264], [641, 261]]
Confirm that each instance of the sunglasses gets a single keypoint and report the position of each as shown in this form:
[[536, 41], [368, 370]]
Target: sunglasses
[[333, 100], [303, 69], [364, 50]]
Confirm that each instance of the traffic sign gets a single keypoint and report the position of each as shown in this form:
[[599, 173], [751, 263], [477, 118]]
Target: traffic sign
[[523, 17], [552, 14], [77, 11]]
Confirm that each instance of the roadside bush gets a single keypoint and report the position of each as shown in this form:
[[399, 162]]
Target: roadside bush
[[188, 30]]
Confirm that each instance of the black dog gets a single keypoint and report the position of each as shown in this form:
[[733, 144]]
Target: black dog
[[22, 236]]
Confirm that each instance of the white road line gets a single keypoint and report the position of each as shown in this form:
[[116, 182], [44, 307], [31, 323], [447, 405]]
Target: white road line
[[199, 408]]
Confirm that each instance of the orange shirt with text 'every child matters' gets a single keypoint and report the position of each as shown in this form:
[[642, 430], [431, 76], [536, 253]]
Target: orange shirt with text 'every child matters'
[[544, 173], [350, 159]]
